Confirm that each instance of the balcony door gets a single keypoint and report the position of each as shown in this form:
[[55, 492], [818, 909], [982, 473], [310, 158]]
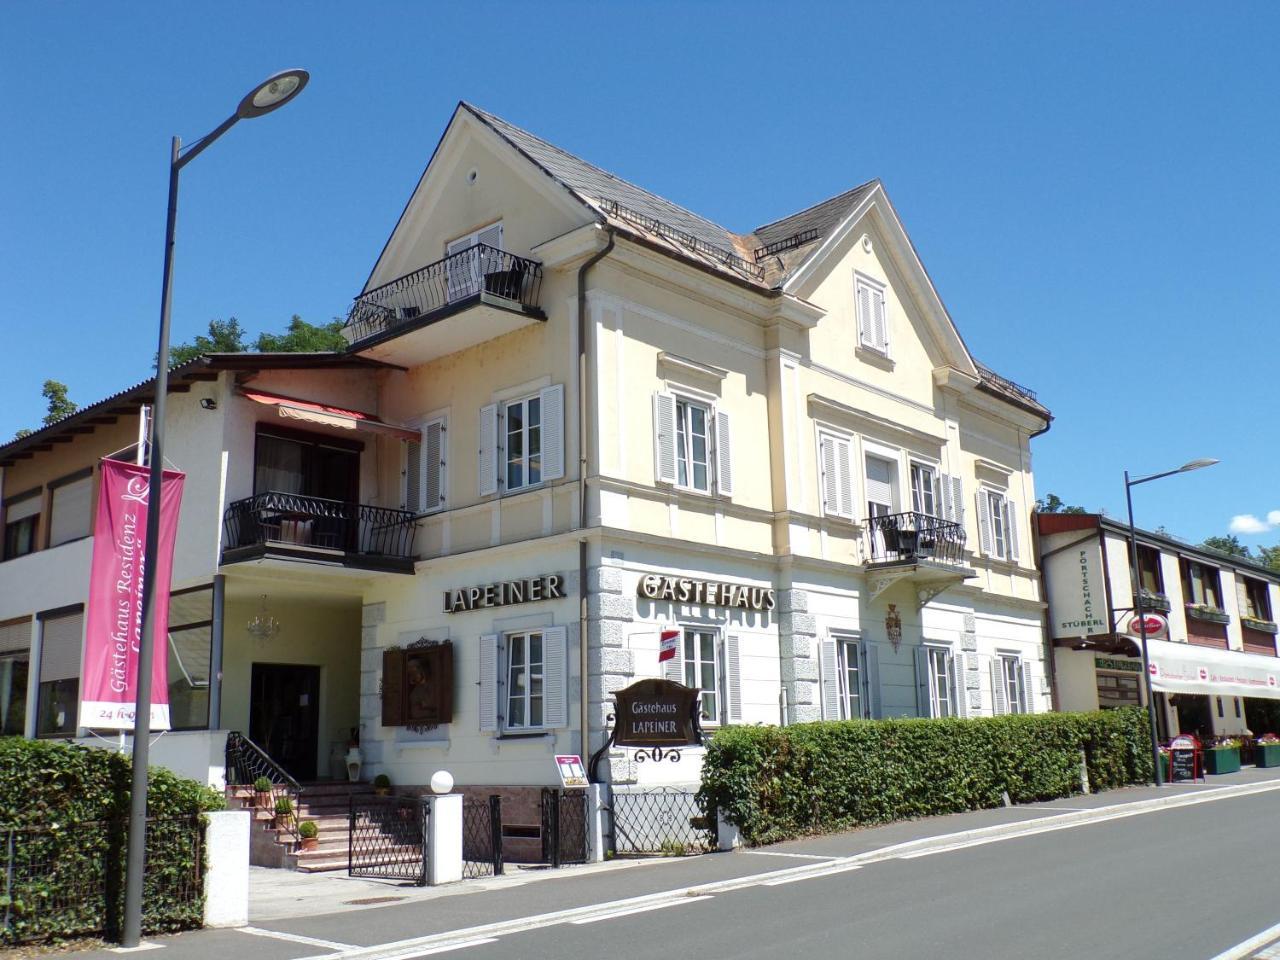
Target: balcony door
[[309, 465]]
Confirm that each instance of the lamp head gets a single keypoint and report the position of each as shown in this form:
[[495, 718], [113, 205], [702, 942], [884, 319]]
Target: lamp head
[[272, 93], [1197, 464]]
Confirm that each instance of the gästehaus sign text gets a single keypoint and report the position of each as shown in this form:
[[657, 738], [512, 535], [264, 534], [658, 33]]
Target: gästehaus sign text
[[712, 593], [505, 593]]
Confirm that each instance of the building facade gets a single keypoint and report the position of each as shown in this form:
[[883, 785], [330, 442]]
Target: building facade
[[1214, 668], [573, 416]]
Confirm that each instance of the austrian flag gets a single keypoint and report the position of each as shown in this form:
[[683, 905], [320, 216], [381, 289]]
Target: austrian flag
[[667, 641]]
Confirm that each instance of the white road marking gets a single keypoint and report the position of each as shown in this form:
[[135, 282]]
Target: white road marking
[[633, 910], [142, 945], [1242, 950], [813, 875], [447, 948], [297, 938], [801, 856]]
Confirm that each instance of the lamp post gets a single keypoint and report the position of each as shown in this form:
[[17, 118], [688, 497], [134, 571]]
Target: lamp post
[[1137, 598], [271, 94]]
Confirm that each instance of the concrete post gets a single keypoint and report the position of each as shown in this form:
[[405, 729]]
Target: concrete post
[[444, 840], [597, 800], [730, 838], [226, 871]]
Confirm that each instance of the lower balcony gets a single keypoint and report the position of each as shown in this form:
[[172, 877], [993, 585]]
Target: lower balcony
[[915, 547], [288, 526]]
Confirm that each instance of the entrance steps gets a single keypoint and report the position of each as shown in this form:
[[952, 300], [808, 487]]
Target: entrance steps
[[326, 803]]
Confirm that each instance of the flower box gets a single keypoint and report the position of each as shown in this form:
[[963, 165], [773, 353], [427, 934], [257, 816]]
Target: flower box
[[1208, 614], [1157, 602], [1267, 755], [1262, 626], [1222, 760]]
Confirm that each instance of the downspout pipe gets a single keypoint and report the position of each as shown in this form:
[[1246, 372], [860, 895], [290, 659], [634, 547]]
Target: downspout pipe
[[584, 699]]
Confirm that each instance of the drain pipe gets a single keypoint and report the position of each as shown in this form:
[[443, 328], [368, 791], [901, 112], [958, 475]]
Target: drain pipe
[[584, 702]]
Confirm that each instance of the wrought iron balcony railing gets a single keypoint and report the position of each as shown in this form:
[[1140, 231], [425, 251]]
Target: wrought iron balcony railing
[[912, 537], [294, 520], [480, 271]]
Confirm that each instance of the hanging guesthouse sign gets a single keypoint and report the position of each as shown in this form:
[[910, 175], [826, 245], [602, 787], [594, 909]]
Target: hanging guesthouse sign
[[656, 713], [113, 617], [712, 593]]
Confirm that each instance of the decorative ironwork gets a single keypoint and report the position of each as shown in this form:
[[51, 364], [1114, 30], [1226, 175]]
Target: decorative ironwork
[[1004, 382], [730, 260], [294, 520], [480, 272], [481, 837], [662, 821], [658, 754], [893, 626], [246, 762], [564, 826], [787, 243], [388, 838], [912, 537]]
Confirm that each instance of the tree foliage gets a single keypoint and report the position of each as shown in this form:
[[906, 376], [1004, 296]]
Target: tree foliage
[[1052, 503], [227, 336], [58, 406], [1229, 545]]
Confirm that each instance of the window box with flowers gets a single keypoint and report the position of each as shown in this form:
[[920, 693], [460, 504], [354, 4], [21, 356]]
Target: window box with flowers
[[1266, 752], [1263, 626], [1202, 611], [1156, 602], [1223, 756]]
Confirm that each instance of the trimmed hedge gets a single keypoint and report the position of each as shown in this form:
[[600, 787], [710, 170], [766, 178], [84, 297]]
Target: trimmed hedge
[[776, 783], [66, 808]]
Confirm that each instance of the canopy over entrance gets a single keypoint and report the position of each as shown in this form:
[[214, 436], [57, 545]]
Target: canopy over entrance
[[1184, 668]]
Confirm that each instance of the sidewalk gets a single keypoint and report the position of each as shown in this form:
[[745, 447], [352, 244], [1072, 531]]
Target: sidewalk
[[296, 916]]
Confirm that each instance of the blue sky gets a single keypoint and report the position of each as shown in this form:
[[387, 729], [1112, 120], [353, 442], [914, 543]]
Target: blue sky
[[1091, 186]]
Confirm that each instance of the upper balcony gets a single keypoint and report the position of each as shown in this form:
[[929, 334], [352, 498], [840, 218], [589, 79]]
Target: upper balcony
[[917, 547], [288, 526], [466, 298]]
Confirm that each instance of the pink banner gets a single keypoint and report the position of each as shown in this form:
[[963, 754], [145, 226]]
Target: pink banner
[[113, 621]]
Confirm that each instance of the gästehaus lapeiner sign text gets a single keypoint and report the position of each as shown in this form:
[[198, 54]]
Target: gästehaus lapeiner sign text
[[712, 593], [504, 593]]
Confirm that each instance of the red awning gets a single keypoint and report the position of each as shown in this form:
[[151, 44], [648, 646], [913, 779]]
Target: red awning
[[330, 416]]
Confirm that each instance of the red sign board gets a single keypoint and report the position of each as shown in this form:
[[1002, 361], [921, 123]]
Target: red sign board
[[1157, 626]]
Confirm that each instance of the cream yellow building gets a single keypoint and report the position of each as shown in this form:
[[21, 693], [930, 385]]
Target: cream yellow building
[[583, 415]]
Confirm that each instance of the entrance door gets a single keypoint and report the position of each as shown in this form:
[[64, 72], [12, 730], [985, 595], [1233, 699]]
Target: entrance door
[[284, 715], [1193, 714]]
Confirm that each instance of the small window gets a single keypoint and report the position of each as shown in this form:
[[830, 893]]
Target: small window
[[999, 525], [1200, 584], [69, 509], [1149, 569], [873, 329], [942, 689], [523, 434], [1257, 602], [850, 681], [1117, 690], [1011, 678], [22, 519], [693, 461], [13, 694], [702, 669], [924, 489], [525, 679], [882, 484]]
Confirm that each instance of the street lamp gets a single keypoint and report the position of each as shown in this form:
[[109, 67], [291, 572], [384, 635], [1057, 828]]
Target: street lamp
[[271, 94], [1137, 596]]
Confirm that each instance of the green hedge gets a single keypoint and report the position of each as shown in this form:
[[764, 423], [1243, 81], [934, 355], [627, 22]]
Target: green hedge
[[775, 783], [63, 811]]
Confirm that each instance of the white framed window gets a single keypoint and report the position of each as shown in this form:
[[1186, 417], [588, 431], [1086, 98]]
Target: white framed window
[[465, 272], [873, 324], [850, 678], [522, 441], [882, 486], [1011, 684], [711, 662], [424, 471], [523, 681], [849, 662], [942, 682], [926, 494], [702, 670], [692, 444], [998, 524], [835, 460]]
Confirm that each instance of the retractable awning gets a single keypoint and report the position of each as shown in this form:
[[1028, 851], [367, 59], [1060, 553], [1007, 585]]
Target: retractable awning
[[312, 412], [1185, 668]]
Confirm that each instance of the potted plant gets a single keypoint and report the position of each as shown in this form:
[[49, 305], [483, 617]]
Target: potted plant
[[1202, 611], [1257, 623], [1267, 751], [284, 813], [308, 832], [262, 792], [1165, 760], [1223, 756], [1154, 601], [382, 785]]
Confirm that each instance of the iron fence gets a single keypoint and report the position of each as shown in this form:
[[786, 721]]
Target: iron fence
[[388, 838], [292, 519], [481, 837], [67, 880], [912, 536], [246, 763], [478, 272], [663, 821], [564, 826]]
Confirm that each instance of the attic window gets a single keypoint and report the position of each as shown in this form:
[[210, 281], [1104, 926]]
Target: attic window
[[873, 323]]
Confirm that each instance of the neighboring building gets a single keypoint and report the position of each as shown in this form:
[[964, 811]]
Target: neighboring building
[[1216, 673], [789, 455]]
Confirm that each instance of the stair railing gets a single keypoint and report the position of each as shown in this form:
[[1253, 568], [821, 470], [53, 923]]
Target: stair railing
[[246, 762]]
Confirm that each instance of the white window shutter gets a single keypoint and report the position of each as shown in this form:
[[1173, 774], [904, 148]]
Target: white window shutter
[[433, 466], [830, 681], [957, 500], [946, 503], [999, 695], [881, 320], [1028, 687], [958, 684], [866, 320], [924, 702], [844, 471], [555, 696], [984, 521], [732, 679], [871, 667], [673, 669], [491, 236], [664, 437], [552, 402], [489, 682], [1011, 527], [724, 455], [412, 494], [830, 475], [488, 450]]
